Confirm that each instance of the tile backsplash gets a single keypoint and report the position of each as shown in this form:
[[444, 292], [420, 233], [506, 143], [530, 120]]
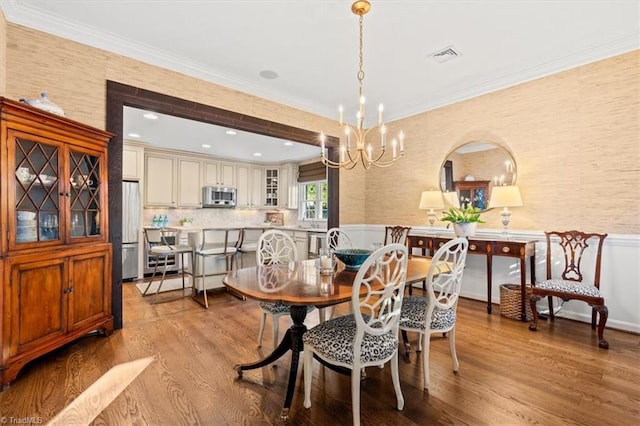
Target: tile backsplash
[[218, 217]]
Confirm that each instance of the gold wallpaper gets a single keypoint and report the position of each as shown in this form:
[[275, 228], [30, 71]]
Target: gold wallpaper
[[575, 135]]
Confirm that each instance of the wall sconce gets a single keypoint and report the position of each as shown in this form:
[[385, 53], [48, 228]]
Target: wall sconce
[[431, 200], [505, 197]]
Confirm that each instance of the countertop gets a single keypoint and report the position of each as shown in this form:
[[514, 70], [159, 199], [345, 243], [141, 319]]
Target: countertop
[[194, 228]]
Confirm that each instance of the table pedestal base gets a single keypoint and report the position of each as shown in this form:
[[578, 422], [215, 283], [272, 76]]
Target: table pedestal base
[[292, 340]]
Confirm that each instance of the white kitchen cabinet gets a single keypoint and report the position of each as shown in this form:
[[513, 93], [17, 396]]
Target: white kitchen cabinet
[[132, 162], [299, 237], [227, 174], [272, 187], [189, 182], [288, 186], [250, 186], [160, 182], [257, 187], [217, 173]]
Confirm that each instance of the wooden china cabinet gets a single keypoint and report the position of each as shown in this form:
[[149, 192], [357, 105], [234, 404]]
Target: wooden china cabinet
[[55, 258], [474, 192]]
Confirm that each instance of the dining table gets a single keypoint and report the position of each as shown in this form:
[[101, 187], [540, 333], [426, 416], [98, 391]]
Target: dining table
[[300, 284]]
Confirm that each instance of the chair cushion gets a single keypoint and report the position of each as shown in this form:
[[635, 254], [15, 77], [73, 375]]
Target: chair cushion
[[248, 247], [216, 250], [413, 313], [279, 308], [333, 340], [571, 287], [161, 250]]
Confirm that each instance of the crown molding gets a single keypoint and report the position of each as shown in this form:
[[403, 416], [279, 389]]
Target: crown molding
[[16, 11]]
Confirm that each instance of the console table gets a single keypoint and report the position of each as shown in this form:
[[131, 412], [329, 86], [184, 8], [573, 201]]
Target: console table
[[520, 249]]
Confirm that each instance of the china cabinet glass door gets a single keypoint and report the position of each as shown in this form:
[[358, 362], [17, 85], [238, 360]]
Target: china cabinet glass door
[[37, 195], [84, 193]]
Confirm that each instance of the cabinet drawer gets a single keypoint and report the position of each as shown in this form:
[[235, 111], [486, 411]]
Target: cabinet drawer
[[419, 242], [504, 248], [478, 246]]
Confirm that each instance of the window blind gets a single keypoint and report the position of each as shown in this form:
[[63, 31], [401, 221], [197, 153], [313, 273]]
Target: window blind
[[312, 172]]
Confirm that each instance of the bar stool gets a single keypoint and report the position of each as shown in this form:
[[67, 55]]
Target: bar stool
[[215, 243], [163, 248], [249, 241]]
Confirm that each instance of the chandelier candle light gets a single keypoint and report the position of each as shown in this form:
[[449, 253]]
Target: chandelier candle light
[[363, 152]]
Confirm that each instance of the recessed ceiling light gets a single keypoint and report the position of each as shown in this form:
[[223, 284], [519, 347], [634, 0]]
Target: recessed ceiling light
[[206, 145], [257, 154], [134, 135], [150, 116], [231, 132], [268, 74], [287, 143]]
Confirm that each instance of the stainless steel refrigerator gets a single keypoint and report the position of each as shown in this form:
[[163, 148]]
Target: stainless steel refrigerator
[[130, 229]]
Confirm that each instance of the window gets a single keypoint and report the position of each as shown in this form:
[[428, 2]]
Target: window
[[313, 200]]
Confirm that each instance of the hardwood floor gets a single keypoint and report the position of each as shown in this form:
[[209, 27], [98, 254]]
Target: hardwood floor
[[508, 375]]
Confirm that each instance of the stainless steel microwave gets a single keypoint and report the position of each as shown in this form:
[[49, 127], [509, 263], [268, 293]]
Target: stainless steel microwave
[[219, 196]]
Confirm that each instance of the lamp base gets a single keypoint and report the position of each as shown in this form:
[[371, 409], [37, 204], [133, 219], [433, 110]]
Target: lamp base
[[505, 215]]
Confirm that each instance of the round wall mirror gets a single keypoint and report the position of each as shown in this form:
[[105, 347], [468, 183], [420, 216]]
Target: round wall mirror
[[472, 169]]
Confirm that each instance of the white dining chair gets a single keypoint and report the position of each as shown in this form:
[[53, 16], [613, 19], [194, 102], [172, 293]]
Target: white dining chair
[[337, 238], [275, 246], [369, 336], [436, 313]]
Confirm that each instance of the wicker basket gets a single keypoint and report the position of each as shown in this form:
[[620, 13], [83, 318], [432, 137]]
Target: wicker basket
[[510, 301]]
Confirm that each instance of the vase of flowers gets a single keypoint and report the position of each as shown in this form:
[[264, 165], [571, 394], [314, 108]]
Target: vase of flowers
[[464, 220]]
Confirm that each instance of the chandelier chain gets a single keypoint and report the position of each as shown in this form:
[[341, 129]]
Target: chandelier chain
[[360, 70]]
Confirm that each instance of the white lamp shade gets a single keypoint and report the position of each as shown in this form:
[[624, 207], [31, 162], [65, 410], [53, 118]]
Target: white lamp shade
[[451, 198], [431, 200], [505, 196]]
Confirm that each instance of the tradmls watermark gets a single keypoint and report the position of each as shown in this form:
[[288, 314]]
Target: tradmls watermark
[[10, 420]]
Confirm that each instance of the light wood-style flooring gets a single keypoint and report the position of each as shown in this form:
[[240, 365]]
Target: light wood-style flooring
[[508, 375]]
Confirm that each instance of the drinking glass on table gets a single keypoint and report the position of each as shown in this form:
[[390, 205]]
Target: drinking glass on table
[[326, 261]]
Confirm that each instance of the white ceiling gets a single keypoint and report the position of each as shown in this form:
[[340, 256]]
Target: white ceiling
[[187, 135], [313, 45]]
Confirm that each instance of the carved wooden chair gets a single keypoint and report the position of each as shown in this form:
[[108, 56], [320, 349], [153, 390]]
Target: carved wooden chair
[[571, 283], [275, 246], [436, 313], [369, 336], [396, 234]]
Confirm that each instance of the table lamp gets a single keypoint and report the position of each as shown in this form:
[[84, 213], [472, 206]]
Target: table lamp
[[431, 200], [451, 199], [505, 196]]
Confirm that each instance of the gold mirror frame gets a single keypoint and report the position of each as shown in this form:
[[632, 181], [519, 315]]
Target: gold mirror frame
[[473, 168]]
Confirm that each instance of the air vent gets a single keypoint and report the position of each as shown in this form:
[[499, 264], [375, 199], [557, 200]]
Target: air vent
[[446, 54]]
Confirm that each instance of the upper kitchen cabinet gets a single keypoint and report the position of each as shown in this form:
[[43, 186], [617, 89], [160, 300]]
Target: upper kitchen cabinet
[[219, 174], [189, 183], [132, 162], [172, 181], [160, 182], [288, 186], [55, 258], [250, 185], [272, 187]]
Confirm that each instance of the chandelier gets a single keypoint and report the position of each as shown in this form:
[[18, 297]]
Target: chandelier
[[354, 148]]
